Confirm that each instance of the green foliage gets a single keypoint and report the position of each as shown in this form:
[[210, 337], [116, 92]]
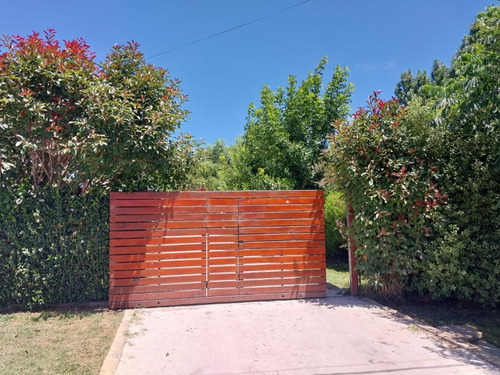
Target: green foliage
[[44, 132], [70, 131], [283, 141], [137, 107], [410, 85], [390, 184], [210, 168], [335, 215], [53, 246], [463, 139], [241, 173], [65, 120], [285, 137]]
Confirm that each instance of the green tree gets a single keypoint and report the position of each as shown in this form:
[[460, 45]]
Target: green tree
[[286, 135], [138, 107], [440, 73], [410, 85], [44, 131], [66, 121], [70, 130], [211, 167], [376, 162], [464, 140]]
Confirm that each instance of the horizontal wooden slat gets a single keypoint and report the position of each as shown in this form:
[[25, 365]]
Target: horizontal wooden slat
[[157, 295], [280, 200], [176, 210], [157, 241], [279, 215], [162, 280], [281, 222], [281, 281], [279, 266], [280, 208], [148, 257], [218, 246], [187, 217], [222, 261], [222, 292], [167, 264], [281, 259], [260, 274], [281, 229], [157, 272], [222, 276], [190, 239], [282, 244], [265, 282], [156, 248], [172, 247], [172, 233], [143, 289], [217, 194], [201, 247], [144, 257], [157, 202], [158, 225], [282, 289], [218, 284], [281, 237], [213, 269], [282, 252], [171, 225], [124, 303]]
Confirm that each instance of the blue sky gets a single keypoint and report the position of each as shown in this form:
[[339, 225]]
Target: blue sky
[[377, 40]]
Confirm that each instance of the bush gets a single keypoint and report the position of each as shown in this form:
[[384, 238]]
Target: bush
[[53, 246], [463, 258], [377, 163]]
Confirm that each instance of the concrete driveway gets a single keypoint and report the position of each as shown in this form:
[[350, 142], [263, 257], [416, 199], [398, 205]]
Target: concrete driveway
[[336, 335]]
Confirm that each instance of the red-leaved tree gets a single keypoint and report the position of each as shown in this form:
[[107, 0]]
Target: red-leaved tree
[[67, 121], [376, 161]]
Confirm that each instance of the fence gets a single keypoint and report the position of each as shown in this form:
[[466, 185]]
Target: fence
[[182, 248]]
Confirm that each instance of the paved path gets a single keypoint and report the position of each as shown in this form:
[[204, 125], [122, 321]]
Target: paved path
[[336, 335]]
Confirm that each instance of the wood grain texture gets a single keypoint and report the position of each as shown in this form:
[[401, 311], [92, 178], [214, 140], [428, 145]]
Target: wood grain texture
[[180, 248]]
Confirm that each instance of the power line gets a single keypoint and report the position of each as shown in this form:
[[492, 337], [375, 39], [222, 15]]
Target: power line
[[228, 30]]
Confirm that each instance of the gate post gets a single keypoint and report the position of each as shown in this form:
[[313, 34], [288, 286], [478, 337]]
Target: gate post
[[353, 274]]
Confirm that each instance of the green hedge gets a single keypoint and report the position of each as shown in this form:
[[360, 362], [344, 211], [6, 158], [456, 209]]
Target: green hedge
[[463, 257], [53, 246]]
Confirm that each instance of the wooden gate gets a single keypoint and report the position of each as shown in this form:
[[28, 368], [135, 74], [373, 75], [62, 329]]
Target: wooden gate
[[183, 248]]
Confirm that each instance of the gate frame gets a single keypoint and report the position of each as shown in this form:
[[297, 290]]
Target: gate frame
[[290, 247]]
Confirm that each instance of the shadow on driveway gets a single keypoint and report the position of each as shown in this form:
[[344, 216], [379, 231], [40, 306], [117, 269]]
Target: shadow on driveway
[[334, 335]]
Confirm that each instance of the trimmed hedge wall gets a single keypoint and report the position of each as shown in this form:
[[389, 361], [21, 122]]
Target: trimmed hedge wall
[[53, 247]]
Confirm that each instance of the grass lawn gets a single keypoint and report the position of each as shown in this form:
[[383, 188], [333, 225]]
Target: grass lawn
[[337, 273], [56, 341]]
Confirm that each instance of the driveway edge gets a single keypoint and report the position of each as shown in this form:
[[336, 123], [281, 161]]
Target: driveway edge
[[112, 359], [484, 350]]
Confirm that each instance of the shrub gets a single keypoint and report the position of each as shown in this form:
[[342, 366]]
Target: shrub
[[376, 163], [53, 246], [463, 257]]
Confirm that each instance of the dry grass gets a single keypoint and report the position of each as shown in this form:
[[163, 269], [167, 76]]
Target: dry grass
[[59, 341]]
